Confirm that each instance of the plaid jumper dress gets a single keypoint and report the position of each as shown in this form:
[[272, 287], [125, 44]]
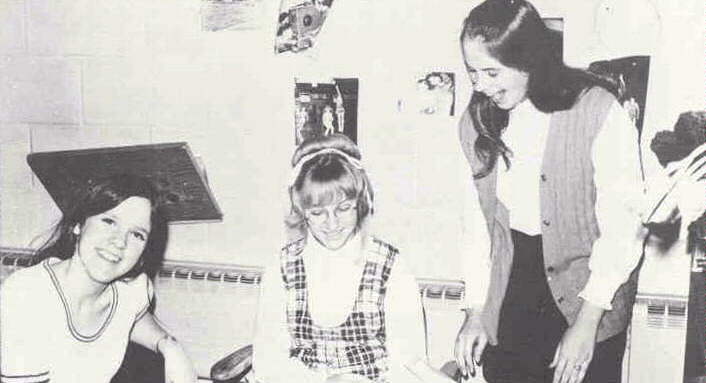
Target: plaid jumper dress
[[357, 346]]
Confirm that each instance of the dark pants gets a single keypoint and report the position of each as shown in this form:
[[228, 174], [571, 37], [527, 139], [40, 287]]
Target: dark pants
[[531, 327]]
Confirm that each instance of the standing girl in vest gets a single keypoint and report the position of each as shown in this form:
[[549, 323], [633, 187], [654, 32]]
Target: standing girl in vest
[[69, 318], [555, 164], [338, 305]]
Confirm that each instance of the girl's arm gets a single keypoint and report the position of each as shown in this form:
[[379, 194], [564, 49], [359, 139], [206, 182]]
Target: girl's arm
[[404, 328], [476, 262], [177, 365], [619, 201], [271, 360], [150, 334]]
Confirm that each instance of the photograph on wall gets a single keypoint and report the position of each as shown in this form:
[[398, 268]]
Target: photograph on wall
[[325, 107], [430, 93], [298, 24], [231, 15]]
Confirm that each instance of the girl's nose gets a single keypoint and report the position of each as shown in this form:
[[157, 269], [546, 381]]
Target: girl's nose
[[331, 220], [119, 239], [481, 84]]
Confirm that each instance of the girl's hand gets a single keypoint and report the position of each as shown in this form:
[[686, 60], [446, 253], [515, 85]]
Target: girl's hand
[[470, 343], [575, 350], [685, 189], [177, 366], [690, 189], [573, 355], [683, 193]]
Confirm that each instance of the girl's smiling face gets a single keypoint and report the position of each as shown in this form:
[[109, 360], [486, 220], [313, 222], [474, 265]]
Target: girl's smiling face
[[506, 86], [333, 224], [111, 243]]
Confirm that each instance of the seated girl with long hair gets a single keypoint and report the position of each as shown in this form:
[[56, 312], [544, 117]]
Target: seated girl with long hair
[[69, 318], [338, 305]]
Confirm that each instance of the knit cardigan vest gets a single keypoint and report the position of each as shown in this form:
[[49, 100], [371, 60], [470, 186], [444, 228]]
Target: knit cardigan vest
[[569, 224]]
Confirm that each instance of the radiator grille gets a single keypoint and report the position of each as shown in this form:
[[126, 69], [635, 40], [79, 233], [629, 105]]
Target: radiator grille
[[665, 312], [442, 289], [13, 259], [210, 272]]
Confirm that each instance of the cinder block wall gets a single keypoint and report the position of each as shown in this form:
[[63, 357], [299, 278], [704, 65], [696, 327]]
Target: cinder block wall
[[86, 73], [79, 74]]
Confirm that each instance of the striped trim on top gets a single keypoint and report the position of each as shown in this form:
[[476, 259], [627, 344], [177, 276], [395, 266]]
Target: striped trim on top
[[69, 320], [41, 377]]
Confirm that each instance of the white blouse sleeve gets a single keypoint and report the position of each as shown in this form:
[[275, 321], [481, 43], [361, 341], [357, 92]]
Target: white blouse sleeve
[[404, 323], [619, 201], [271, 360]]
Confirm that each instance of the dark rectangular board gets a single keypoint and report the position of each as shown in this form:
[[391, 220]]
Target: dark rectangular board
[[170, 166]]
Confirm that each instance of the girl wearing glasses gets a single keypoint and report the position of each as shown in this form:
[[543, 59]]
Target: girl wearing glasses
[[338, 305]]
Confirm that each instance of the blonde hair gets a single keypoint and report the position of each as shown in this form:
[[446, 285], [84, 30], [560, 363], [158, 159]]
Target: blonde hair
[[325, 169]]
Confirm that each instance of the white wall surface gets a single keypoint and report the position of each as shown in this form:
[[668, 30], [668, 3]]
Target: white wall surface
[[87, 73]]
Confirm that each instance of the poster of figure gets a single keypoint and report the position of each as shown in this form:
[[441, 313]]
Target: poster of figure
[[231, 15], [298, 24], [435, 94], [326, 107], [630, 74]]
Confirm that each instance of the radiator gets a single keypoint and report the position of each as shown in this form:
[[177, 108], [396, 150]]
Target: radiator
[[656, 352], [211, 308], [667, 332]]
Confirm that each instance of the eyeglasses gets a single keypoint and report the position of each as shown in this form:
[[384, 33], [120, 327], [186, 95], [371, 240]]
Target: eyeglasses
[[342, 210]]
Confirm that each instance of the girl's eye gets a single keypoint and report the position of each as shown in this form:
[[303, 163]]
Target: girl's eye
[[108, 220], [139, 235], [492, 73], [344, 207], [315, 212]]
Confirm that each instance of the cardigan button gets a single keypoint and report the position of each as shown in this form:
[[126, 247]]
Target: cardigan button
[[543, 177], [546, 222], [550, 269], [560, 300]]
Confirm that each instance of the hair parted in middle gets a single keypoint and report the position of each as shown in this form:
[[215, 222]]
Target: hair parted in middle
[[325, 169], [514, 33]]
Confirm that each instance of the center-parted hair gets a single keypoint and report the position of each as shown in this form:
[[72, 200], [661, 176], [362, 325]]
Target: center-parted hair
[[514, 33], [327, 169], [98, 197]]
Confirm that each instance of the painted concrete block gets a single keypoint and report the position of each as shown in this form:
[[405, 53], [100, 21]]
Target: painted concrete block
[[116, 91], [12, 26], [40, 90], [87, 27]]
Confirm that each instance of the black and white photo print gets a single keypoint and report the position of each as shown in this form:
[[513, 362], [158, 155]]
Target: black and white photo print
[[435, 94], [298, 24], [326, 107]]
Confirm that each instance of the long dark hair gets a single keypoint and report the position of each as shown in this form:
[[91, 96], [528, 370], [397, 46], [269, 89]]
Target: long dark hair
[[99, 197], [514, 34]]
